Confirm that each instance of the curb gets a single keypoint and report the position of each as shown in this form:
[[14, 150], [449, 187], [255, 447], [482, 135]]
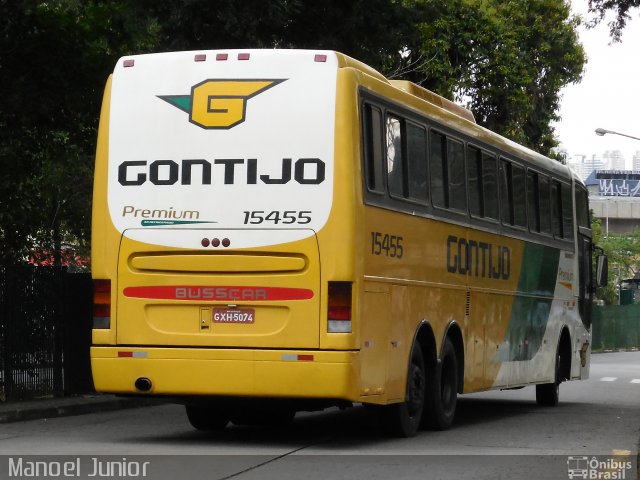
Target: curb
[[84, 406]]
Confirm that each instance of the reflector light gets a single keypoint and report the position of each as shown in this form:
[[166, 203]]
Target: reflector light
[[221, 56], [292, 357], [243, 56], [205, 242], [101, 303], [200, 57], [215, 242], [123, 354], [226, 242], [128, 63], [320, 58]]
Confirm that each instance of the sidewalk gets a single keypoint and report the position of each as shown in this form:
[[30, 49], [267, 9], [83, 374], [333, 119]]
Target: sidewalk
[[66, 406]]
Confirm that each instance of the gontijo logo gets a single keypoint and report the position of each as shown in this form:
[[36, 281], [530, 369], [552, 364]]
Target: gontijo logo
[[219, 104]]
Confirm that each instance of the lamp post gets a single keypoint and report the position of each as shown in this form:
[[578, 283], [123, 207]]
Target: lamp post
[[602, 132]]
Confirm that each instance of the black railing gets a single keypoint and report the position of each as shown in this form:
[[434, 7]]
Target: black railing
[[45, 332]]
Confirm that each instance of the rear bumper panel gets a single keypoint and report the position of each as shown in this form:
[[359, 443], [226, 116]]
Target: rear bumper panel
[[239, 372]]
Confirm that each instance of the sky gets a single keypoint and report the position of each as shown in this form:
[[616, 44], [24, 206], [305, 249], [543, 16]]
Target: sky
[[609, 94]]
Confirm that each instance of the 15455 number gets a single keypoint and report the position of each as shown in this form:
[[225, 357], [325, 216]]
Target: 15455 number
[[276, 217], [389, 245]]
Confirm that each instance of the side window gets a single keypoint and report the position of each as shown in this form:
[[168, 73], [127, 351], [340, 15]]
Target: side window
[[506, 196], [395, 170], [482, 183], [457, 184], [567, 211], [490, 185], [533, 194], [373, 148], [437, 168], [556, 209], [519, 196], [582, 207], [513, 194], [448, 179], [474, 181], [417, 162], [545, 204]]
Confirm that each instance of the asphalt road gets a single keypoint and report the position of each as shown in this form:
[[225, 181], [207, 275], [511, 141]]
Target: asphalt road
[[496, 435]]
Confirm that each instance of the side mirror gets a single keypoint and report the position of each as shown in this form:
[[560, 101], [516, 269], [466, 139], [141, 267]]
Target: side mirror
[[602, 270]]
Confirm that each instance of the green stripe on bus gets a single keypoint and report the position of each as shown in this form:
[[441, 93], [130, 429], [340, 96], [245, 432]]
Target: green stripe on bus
[[531, 305]]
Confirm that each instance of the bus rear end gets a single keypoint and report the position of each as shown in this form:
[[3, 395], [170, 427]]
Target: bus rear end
[[214, 179]]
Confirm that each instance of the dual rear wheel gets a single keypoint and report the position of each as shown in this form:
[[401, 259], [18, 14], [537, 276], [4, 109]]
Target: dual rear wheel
[[431, 397]]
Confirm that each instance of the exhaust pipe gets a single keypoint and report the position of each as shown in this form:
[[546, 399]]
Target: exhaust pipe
[[143, 384]]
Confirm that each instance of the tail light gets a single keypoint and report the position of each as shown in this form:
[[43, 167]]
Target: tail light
[[102, 304], [339, 307]]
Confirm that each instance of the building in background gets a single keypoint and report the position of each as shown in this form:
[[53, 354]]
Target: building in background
[[635, 161], [613, 160], [584, 165], [614, 197]]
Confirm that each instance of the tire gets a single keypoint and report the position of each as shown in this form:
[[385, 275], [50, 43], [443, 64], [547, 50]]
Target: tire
[[442, 391], [403, 419], [206, 419], [548, 394]]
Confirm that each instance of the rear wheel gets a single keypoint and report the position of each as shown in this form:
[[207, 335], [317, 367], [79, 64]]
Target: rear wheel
[[548, 394], [206, 419], [403, 419], [442, 391]]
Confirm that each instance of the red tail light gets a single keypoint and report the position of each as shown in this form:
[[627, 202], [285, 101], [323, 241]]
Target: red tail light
[[102, 304], [339, 307]]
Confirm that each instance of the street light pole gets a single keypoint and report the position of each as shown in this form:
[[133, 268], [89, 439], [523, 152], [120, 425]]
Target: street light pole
[[602, 132]]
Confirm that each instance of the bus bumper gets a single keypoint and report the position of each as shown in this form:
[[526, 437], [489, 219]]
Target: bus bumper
[[233, 372]]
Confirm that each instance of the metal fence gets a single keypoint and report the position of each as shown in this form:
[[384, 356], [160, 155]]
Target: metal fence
[[45, 332], [616, 327]]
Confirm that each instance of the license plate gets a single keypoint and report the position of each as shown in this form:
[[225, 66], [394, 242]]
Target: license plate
[[234, 315]]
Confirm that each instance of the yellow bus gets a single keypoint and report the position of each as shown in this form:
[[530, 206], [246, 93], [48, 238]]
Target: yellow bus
[[286, 230]]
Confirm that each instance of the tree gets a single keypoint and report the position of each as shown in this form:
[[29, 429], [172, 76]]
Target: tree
[[623, 252], [508, 61], [621, 8], [55, 57]]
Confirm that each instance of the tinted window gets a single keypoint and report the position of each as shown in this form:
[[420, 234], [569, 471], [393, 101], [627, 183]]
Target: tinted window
[[582, 207], [519, 198], [532, 201], [373, 148], [457, 188], [417, 161], [545, 204], [436, 166], [505, 193], [556, 209], [474, 181], [490, 185], [567, 211]]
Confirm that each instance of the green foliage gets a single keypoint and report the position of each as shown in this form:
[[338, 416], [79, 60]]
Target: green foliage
[[55, 57], [621, 9], [623, 252], [506, 60]]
